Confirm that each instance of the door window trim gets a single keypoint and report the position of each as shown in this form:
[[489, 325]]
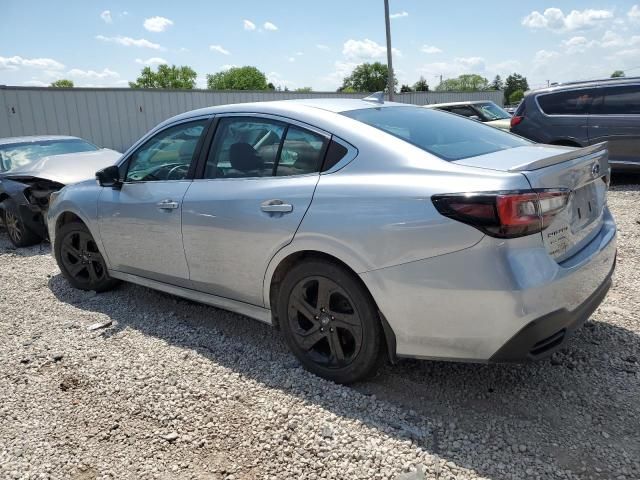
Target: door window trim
[[285, 121], [197, 153]]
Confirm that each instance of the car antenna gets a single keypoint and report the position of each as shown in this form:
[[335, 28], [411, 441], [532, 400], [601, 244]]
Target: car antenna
[[377, 97]]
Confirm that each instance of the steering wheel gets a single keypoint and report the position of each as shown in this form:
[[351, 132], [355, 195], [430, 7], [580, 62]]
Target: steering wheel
[[177, 170]]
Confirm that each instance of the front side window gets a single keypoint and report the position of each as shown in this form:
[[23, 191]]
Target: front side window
[[577, 102], [449, 137], [167, 155], [19, 155], [246, 147], [620, 101]]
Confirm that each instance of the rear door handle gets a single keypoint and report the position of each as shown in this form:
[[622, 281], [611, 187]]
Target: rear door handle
[[167, 205], [276, 206]]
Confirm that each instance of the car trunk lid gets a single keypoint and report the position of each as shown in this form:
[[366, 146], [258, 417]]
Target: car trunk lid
[[582, 171]]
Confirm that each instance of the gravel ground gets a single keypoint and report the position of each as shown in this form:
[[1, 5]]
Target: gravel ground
[[173, 389]]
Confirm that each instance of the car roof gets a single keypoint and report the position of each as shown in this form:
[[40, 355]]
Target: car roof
[[587, 83], [454, 104], [293, 107], [34, 138]]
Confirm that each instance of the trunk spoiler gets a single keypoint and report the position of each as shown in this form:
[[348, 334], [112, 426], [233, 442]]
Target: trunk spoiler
[[599, 149]]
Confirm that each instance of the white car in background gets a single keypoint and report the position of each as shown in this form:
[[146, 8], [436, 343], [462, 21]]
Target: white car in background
[[483, 111]]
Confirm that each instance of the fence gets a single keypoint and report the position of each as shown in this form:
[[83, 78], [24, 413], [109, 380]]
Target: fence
[[116, 118]]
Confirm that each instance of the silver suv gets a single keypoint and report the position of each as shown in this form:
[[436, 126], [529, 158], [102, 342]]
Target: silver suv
[[586, 113]]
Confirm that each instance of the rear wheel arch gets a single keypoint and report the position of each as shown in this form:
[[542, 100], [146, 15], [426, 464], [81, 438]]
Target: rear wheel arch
[[293, 259]]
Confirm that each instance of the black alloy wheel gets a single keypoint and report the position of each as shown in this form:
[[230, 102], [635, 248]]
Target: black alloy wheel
[[80, 260], [330, 321]]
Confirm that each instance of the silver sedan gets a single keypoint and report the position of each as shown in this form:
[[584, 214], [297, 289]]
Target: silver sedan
[[362, 230]]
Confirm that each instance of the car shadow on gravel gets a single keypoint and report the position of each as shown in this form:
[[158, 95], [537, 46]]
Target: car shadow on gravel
[[573, 416], [7, 248]]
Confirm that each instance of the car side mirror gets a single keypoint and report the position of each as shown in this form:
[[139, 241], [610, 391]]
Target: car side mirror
[[109, 177]]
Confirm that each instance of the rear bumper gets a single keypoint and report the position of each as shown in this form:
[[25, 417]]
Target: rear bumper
[[494, 301], [547, 334]]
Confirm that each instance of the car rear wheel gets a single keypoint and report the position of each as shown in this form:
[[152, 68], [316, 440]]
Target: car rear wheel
[[80, 260], [330, 322], [17, 231]]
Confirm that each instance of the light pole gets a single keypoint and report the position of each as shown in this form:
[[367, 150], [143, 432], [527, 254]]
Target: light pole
[[390, 84]]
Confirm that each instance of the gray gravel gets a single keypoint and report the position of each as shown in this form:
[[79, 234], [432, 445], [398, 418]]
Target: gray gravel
[[172, 389]]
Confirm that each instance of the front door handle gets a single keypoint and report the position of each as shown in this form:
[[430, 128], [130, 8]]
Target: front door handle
[[276, 206], [167, 205]]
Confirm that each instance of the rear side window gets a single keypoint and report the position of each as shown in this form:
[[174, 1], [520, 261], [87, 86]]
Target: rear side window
[[302, 152], [620, 101], [335, 153], [447, 136], [577, 102], [464, 111]]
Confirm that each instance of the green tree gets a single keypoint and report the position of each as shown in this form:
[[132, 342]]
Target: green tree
[[271, 86], [421, 85], [617, 74], [238, 78], [368, 77], [464, 83], [303, 90], [516, 97], [169, 77], [497, 83], [62, 83], [514, 82], [405, 88]]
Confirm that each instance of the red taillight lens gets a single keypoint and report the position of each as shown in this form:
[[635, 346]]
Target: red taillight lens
[[515, 120], [504, 214]]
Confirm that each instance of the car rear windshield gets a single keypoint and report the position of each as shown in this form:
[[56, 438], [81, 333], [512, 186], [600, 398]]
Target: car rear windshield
[[447, 136], [17, 155]]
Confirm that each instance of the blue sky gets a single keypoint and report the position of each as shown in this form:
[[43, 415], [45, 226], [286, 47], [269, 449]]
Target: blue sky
[[298, 44]]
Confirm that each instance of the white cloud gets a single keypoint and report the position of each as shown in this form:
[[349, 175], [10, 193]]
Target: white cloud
[[15, 62], [634, 13], [320, 46], [278, 81], [342, 69], [157, 24], [365, 50], [106, 16], [399, 15], [152, 61], [430, 49], [35, 83], [291, 59], [453, 68], [248, 25], [92, 74], [269, 26], [542, 57], [130, 42], [555, 20], [228, 66], [219, 49], [579, 44]]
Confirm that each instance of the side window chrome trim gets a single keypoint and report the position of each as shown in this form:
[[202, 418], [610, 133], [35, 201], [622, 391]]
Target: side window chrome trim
[[352, 153], [154, 131], [277, 118]]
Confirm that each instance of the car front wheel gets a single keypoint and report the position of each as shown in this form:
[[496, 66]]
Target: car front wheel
[[80, 260], [330, 321], [17, 231]]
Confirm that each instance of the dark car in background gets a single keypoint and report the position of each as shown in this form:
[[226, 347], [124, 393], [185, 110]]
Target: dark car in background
[[586, 113], [32, 168]]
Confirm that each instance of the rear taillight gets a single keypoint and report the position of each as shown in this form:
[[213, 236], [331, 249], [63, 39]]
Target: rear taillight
[[504, 214], [515, 120]]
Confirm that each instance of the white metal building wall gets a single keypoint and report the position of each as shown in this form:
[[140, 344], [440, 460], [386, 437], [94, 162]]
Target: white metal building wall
[[116, 118]]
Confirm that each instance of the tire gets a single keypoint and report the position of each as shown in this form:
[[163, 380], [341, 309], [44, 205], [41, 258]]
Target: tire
[[330, 322], [80, 260], [18, 233]]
